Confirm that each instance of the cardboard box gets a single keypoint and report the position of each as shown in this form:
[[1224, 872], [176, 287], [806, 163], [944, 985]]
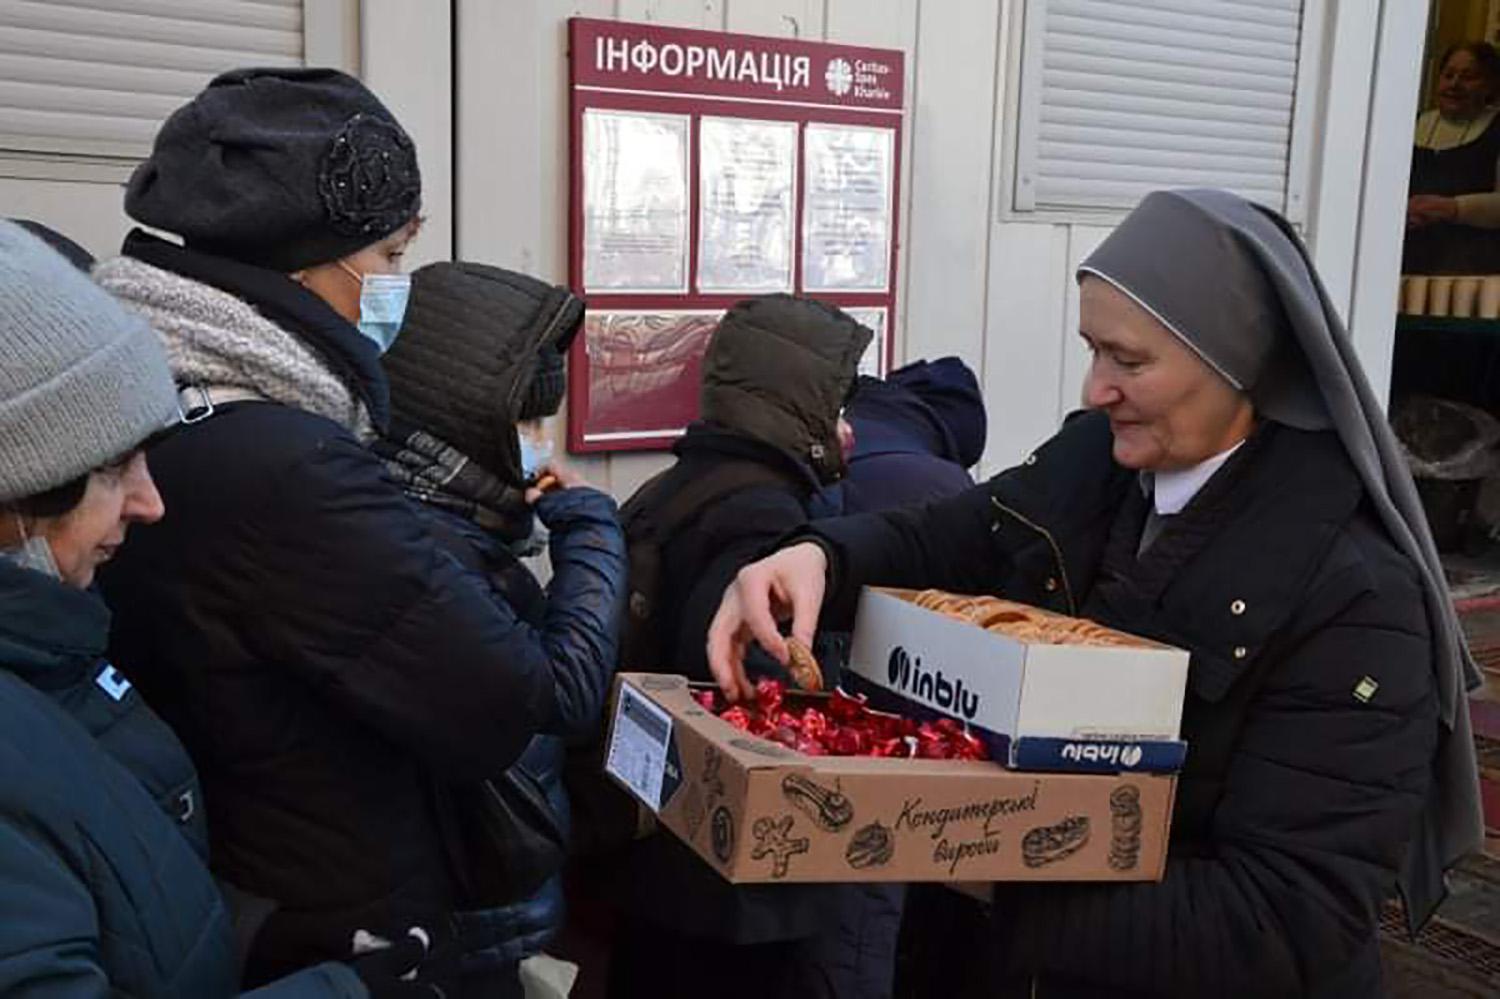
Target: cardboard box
[[1101, 709], [757, 811]]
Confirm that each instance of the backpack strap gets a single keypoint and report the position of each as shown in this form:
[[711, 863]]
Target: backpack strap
[[649, 518]]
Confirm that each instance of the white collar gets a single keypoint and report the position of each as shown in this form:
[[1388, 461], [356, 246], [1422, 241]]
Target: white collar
[[1175, 489]]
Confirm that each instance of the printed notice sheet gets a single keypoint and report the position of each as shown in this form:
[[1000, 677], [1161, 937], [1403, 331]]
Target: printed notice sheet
[[635, 201], [848, 208], [747, 193], [873, 361]]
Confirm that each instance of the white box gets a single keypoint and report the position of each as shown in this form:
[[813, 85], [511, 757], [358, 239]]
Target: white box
[[1015, 691]]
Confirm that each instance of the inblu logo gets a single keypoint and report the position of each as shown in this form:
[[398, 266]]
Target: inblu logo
[[907, 675]]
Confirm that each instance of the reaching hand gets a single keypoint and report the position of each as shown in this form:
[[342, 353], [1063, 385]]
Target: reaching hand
[[554, 475], [788, 584]]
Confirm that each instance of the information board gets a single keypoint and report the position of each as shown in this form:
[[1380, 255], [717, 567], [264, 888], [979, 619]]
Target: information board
[[705, 168]]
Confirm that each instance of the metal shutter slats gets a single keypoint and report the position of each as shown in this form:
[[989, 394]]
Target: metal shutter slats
[[1123, 97], [97, 77]]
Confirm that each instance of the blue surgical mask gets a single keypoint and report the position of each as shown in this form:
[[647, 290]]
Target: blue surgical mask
[[536, 447], [382, 305], [535, 454]]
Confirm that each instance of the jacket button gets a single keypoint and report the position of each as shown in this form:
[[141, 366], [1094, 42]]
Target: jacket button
[[1240, 652], [1031, 459], [1051, 584], [1237, 608]]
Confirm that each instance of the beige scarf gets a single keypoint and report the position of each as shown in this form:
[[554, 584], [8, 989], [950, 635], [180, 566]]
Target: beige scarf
[[214, 339]]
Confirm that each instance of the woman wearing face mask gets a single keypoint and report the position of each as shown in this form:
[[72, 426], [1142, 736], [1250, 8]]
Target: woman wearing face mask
[[1236, 492], [1453, 209], [321, 655], [103, 886], [478, 367]]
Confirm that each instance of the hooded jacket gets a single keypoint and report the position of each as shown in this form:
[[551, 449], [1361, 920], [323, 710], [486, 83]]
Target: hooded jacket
[[468, 354], [106, 892], [779, 369], [776, 374], [916, 432], [318, 651]]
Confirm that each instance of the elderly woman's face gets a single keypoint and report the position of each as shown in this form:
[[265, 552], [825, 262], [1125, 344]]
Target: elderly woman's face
[[1464, 88], [338, 282], [118, 495], [1167, 408]]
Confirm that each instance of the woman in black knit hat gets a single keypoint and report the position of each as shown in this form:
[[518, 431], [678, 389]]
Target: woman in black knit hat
[[330, 667]]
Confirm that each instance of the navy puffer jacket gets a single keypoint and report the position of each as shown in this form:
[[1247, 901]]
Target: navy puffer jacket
[[101, 894]]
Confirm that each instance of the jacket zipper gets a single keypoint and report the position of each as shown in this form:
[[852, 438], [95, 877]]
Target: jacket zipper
[[1062, 569]]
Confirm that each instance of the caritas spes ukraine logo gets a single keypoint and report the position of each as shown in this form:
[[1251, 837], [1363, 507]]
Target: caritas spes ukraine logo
[[839, 76]]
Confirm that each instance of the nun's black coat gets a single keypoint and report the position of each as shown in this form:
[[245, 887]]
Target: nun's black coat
[[1311, 711]]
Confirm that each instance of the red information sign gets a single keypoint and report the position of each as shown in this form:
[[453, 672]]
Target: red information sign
[[706, 168]]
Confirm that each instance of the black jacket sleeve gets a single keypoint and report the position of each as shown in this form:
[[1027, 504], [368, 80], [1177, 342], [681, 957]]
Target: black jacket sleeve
[[385, 622], [735, 532], [1321, 794], [944, 545]]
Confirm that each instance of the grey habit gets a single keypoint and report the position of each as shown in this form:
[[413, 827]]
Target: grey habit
[[1233, 282]]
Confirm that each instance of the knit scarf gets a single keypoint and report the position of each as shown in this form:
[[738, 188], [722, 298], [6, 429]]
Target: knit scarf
[[214, 339]]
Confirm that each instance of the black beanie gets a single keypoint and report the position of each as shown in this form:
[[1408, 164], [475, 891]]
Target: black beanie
[[280, 168]]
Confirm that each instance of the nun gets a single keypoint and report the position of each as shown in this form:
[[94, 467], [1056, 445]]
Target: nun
[[1232, 489]]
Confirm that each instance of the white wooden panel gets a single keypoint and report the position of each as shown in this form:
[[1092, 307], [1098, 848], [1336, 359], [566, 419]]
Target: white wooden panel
[[330, 33], [512, 148], [948, 174], [778, 18], [1082, 240], [1339, 162], [1022, 360], [704, 14], [407, 57], [890, 24], [90, 214], [628, 470], [1393, 107]]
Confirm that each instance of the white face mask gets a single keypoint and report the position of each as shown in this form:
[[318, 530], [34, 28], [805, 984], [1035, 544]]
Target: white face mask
[[382, 305], [33, 553]]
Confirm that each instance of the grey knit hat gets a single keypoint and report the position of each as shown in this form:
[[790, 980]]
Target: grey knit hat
[[81, 379]]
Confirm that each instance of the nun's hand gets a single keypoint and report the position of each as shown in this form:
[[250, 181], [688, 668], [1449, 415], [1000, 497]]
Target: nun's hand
[[787, 584]]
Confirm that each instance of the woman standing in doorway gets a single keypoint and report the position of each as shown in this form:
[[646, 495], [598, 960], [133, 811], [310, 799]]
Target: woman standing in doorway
[[1453, 211]]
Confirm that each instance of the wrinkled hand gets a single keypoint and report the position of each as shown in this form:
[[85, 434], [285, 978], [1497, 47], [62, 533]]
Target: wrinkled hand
[[788, 584], [388, 969], [554, 475], [1428, 209]]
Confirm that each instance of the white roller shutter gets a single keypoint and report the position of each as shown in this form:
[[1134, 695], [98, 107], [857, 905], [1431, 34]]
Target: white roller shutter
[[97, 77], [1122, 97]]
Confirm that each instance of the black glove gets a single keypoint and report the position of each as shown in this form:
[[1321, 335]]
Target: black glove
[[389, 968]]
